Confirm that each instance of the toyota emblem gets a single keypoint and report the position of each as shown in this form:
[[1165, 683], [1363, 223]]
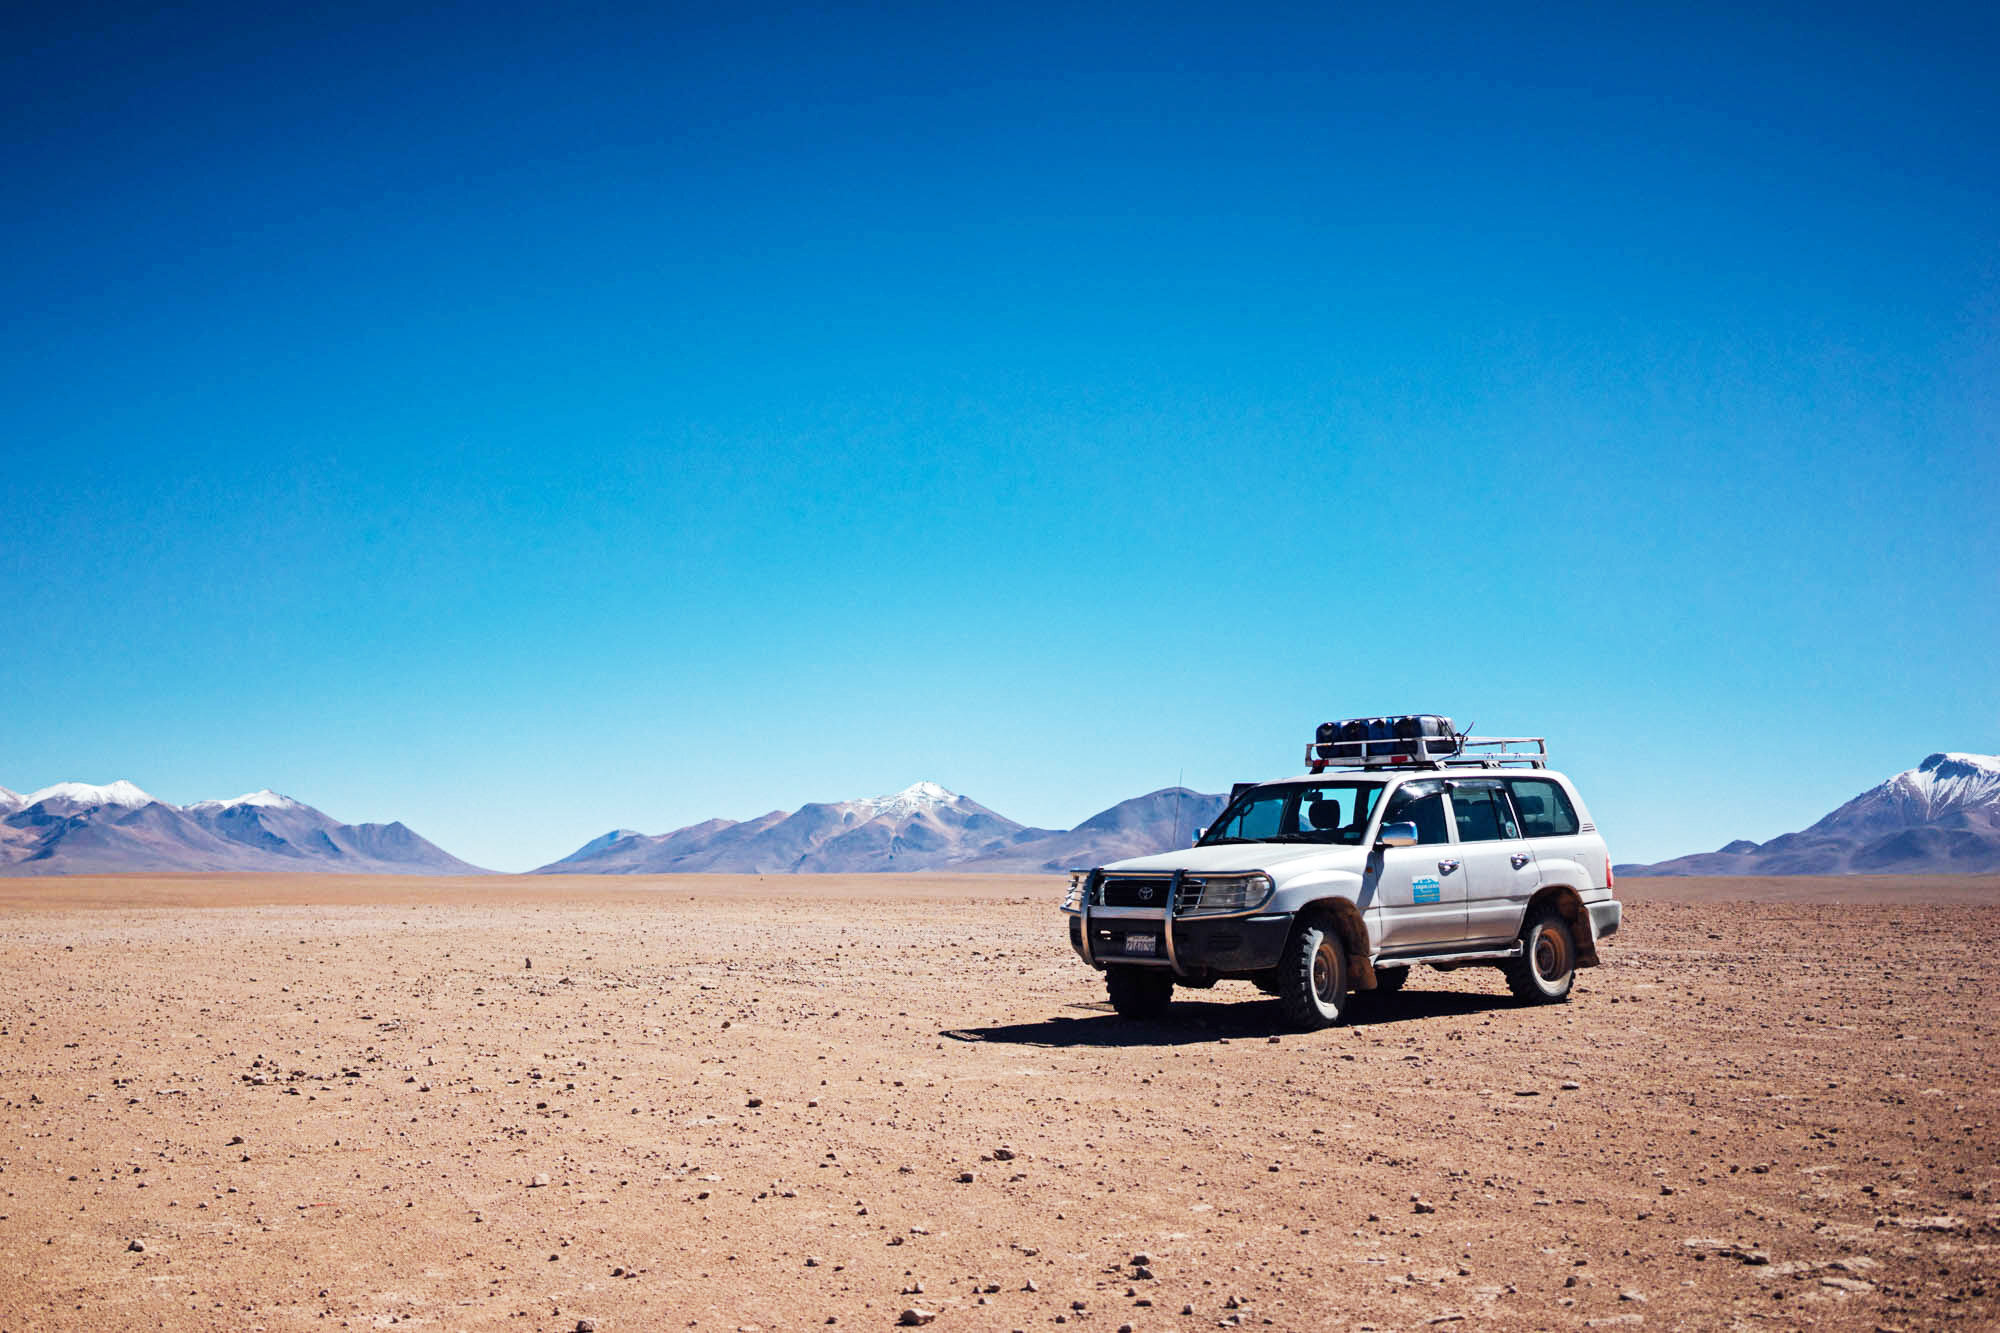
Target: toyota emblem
[[1145, 893]]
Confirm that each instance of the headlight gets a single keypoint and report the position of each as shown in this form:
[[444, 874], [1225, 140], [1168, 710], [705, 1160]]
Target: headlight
[[1225, 893], [1079, 888]]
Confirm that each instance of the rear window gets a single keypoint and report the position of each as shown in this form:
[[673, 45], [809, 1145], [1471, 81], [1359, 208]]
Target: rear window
[[1544, 806]]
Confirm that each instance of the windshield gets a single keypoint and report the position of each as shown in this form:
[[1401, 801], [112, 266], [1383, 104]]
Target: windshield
[[1335, 812]]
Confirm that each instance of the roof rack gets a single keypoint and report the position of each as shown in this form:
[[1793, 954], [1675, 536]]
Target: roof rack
[[1491, 752]]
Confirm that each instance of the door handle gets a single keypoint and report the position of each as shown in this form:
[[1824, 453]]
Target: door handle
[[1520, 859], [1446, 867]]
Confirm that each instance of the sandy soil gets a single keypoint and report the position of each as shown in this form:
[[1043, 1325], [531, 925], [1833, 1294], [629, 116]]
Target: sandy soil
[[717, 1103]]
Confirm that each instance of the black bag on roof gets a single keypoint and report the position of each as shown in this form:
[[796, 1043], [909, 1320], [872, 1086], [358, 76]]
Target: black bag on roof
[[1425, 735]]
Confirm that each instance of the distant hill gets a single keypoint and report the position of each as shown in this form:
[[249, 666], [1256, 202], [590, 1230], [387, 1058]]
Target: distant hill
[[76, 828], [923, 827], [1156, 822], [1941, 817]]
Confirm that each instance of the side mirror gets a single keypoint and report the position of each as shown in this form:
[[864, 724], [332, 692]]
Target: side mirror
[[1397, 835], [1197, 837]]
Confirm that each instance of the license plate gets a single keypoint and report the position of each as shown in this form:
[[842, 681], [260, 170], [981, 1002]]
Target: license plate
[[1142, 944]]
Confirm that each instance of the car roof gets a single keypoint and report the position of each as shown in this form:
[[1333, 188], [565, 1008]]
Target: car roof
[[1385, 774]]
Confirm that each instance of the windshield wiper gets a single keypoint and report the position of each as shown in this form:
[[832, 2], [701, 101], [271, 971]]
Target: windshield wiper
[[1218, 842]]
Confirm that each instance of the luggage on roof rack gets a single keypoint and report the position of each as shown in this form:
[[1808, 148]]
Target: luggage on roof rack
[[1425, 740]]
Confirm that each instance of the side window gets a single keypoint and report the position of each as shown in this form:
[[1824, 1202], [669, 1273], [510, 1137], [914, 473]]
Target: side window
[[1422, 804], [1482, 812], [1544, 806]]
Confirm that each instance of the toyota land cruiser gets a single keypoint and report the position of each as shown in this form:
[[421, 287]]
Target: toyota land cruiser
[[1424, 846]]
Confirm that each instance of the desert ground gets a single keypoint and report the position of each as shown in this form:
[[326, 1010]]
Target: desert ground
[[728, 1103]]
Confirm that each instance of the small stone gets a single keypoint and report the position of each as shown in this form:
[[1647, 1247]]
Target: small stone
[[1571, 1085], [913, 1317], [1187, 1309], [1003, 1154], [541, 1179], [1029, 1285], [1635, 1297], [754, 1101], [1421, 1207], [1143, 1273], [585, 1326], [812, 1261], [1141, 1259], [137, 1247], [966, 1177]]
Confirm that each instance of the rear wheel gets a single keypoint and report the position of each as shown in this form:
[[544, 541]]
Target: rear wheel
[[1547, 967], [1139, 992], [1312, 979]]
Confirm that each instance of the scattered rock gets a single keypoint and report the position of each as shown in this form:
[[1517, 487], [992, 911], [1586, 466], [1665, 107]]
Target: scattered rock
[[137, 1247], [540, 1179], [1723, 1249], [913, 1317]]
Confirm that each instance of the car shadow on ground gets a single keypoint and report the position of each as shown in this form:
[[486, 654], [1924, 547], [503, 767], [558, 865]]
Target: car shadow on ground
[[1190, 1022]]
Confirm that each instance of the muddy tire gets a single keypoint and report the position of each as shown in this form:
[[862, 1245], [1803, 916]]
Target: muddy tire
[[1547, 967], [1139, 992], [1312, 976]]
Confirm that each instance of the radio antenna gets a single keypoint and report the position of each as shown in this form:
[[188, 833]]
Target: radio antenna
[[1178, 780]]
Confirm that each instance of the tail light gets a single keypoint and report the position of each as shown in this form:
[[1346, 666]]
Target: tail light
[[1610, 877]]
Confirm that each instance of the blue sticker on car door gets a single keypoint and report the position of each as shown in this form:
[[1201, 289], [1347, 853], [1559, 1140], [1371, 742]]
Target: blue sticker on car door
[[1424, 890]]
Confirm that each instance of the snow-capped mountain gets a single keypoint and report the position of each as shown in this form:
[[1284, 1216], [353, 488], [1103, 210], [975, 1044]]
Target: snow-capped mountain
[[922, 827], [77, 828], [1941, 817]]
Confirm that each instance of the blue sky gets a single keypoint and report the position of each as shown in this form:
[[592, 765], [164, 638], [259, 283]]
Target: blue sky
[[526, 424]]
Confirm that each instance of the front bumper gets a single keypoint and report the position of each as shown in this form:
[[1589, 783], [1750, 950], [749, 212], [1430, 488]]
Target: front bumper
[[1199, 945]]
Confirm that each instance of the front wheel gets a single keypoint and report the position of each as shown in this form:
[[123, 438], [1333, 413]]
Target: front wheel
[[1547, 967], [1312, 979], [1139, 992]]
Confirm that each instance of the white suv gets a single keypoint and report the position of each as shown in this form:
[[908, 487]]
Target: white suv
[[1323, 884]]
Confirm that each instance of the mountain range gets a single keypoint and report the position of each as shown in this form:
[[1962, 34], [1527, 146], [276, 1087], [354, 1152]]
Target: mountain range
[[923, 827], [76, 828], [1941, 817]]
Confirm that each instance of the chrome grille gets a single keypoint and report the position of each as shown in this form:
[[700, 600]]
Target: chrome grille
[[1138, 891]]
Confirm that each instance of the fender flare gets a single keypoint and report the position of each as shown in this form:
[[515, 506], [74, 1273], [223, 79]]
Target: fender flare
[[1353, 930], [1568, 904]]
